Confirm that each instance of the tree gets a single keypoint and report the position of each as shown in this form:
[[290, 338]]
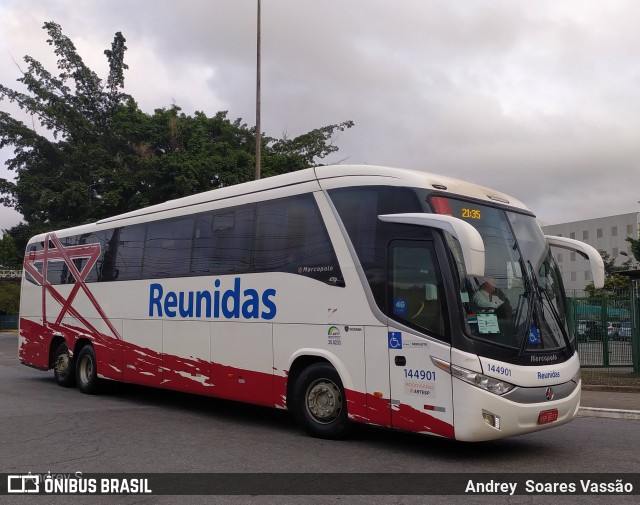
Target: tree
[[99, 155], [635, 247], [10, 256], [9, 297], [613, 282]]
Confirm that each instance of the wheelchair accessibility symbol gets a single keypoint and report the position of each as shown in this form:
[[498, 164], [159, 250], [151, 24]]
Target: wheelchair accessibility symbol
[[395, 340]]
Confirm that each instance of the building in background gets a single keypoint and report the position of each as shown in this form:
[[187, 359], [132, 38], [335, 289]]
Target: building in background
[[605, 234]]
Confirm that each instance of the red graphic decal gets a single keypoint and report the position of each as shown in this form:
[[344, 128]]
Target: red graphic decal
[[66, 254], [118, 359], [366, 408], [148, 367]]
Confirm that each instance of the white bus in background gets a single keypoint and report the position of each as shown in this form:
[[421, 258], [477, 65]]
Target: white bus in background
[[346, 294]]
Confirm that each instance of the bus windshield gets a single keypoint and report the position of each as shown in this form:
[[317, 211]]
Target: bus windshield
[[520, 301]]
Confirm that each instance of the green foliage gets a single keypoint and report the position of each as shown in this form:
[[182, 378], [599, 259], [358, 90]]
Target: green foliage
[[98, 154], [635, 248], [613, 282], [610, 267], [9, 297], [10, 256]]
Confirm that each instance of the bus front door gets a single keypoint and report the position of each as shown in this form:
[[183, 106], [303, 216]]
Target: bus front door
[[421, 393]]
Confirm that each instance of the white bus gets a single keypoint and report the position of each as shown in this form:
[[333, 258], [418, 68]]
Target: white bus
[[346, 294]]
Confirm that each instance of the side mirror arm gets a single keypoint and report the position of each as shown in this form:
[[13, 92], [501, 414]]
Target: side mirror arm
[[470, 240], [586, 251]]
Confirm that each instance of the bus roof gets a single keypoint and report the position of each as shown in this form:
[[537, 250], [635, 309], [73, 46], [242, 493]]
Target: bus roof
[[360, 175], [420, 179]]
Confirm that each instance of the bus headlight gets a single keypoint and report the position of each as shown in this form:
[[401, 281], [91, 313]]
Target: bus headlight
[[490, 384], [482, 381]]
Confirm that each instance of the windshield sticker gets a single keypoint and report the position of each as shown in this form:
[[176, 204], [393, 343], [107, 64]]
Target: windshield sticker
[[400, 305], [488, 323], [472, 319], [534, 336], [464, 296]]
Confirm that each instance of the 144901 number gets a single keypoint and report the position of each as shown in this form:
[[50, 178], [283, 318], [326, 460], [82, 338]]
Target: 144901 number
[[501, 370], [424, 375]]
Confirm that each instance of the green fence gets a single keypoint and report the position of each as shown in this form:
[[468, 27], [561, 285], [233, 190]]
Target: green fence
[[606, 329]]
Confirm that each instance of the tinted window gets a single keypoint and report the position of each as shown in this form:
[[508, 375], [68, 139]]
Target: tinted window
[[284, 235], [107, 263], [222, 242], [57, 271], [128, 248], [415, 286], [32, 248], [167, 250], [359, 208], [99, 238], [291, 237]]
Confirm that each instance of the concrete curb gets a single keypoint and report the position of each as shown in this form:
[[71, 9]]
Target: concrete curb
[[609, 413]]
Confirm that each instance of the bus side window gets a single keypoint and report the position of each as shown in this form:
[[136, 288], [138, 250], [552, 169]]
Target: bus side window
[[130, 247], [415, 286], [222, 241], [167, 250], [291, 237], [359, 207]]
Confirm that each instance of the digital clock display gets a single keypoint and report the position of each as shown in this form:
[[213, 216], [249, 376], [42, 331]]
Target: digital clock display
[[471, 213], [459, 209]]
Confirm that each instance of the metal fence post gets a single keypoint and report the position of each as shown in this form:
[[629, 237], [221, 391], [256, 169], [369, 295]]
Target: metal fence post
[[635, 347], [604, 330]]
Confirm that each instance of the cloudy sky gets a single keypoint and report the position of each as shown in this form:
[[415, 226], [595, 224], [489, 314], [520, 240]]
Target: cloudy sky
[[538, 99]]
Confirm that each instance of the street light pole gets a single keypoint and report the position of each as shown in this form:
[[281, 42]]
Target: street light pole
[[258, 130]]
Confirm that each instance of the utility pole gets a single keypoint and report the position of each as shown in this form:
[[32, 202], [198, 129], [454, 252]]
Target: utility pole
[[258, 129]]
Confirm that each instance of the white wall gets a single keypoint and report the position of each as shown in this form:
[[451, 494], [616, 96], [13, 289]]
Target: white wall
[[605, 234]]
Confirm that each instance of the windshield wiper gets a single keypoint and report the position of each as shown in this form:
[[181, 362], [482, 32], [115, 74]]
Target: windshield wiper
[[541, 295], [554, 312], [530, 307]]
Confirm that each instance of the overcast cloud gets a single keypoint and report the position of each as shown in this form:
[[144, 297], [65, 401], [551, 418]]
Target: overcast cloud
[[540, 99]]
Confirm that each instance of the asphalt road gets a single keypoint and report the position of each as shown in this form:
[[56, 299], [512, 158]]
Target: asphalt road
[[44, 427]]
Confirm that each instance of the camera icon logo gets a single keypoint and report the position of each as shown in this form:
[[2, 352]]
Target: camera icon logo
[[23, 484]]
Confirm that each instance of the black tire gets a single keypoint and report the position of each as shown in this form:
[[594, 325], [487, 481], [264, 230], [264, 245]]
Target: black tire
[[87, 371], [320, 405], [64, 368]]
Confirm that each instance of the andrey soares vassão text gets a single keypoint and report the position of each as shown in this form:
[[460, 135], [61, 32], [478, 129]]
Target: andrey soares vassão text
[[583, 486]]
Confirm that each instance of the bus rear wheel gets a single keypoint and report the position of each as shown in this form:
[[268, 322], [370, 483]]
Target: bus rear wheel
[[87, 371], [320, 405], [64, 367]]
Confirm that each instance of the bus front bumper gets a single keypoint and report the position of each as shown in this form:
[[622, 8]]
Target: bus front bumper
[[486, 416]]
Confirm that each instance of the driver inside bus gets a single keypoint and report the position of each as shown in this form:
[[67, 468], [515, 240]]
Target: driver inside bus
[[490, 297]]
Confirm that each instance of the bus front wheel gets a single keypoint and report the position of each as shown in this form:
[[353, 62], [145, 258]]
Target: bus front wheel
[[320, 405], [87, 370], [63, 367]]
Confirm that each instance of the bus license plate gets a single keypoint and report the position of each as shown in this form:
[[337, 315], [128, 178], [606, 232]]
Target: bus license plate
[[548, 416]]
